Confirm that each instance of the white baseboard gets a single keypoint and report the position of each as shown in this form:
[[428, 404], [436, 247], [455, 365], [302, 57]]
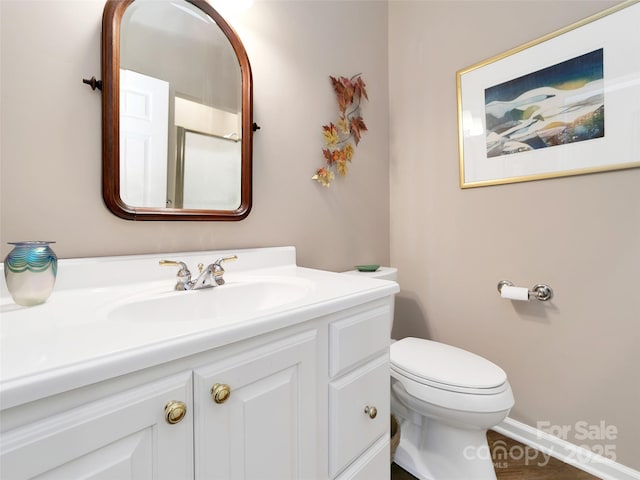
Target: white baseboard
[[566, 452]]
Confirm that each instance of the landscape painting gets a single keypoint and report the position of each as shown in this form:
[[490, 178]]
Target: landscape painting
[[557, 105]]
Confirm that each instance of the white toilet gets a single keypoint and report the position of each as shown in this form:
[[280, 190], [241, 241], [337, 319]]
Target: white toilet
[[445, 399]]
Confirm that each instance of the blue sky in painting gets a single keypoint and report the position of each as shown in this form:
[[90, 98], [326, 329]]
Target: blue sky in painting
[[586, 67]]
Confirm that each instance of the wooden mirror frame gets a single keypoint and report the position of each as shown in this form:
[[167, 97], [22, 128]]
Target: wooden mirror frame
[[111, 18]]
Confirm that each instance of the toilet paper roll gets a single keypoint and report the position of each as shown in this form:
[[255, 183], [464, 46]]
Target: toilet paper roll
[[514, 293]]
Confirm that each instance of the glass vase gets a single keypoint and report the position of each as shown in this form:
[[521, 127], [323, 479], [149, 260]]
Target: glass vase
[[30, 271]]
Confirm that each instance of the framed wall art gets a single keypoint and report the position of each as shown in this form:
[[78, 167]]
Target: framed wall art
[[565, 104]]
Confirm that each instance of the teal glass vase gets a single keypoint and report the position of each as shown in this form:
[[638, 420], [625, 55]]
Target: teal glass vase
[[30, 270]]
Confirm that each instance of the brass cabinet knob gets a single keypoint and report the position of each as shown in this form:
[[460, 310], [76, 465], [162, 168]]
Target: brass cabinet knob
[[220, 392], [174, 411], [371, 411]]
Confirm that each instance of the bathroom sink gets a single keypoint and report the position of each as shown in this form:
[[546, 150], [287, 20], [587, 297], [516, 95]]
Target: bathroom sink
[[234, 300]]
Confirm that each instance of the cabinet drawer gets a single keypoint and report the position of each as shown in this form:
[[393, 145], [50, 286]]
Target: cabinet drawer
[[351, 430], [358, 337], [372, 465]]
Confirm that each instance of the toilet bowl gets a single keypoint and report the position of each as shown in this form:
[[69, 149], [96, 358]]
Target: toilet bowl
[[445, 399]]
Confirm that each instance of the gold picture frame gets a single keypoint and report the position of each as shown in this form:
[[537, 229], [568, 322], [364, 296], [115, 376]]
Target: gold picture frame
[[565, 104]]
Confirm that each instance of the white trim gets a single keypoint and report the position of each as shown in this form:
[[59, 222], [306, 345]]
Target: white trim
[[566, 452]]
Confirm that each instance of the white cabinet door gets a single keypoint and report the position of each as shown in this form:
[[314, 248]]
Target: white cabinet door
[[124, 436], [265, 429]]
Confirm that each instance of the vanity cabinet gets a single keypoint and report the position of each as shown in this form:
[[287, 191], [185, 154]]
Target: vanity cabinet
[[309, 401], [258, 423]]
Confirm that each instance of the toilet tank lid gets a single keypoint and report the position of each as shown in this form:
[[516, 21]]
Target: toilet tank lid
[[383, 273], [445, 364]]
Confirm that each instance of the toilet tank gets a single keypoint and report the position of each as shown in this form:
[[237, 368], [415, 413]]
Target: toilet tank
[[382, 273]]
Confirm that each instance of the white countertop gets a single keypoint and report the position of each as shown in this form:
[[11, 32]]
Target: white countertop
[[74, 339]]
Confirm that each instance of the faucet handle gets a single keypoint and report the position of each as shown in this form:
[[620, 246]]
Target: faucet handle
[[174, 263], [230, 258], [217, 270], [184, 275], [217, 267]]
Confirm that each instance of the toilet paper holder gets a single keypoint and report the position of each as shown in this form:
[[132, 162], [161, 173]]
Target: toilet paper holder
[[540, 291]]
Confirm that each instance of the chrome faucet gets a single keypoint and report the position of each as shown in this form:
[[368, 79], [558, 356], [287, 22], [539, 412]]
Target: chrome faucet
[[211, 276]]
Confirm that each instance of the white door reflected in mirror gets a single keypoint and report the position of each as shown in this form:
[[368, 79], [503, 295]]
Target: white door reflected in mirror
[[144, 117]]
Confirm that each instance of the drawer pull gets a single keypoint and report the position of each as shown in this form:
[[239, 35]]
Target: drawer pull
[[371, 411], [174, 411], [220, 392]]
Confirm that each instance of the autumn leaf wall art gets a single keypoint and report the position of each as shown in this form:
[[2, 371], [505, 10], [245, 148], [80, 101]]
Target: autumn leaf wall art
[[341, 138]]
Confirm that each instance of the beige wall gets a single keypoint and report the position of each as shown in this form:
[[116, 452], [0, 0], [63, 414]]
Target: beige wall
[[51, 135], [575, 358]]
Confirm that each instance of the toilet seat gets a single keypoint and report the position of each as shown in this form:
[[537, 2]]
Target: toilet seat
[[446, 367]]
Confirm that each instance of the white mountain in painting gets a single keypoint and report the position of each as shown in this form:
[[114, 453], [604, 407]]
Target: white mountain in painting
[[544, 117]]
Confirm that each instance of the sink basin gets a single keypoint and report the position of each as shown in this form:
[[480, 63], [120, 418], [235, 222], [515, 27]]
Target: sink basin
[[233, 300]]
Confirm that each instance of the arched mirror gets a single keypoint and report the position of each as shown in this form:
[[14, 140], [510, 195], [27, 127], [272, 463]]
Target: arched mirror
[[177, 112]]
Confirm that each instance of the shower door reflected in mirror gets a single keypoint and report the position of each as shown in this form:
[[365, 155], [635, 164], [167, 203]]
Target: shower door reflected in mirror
[[177, 112], [200, 158]]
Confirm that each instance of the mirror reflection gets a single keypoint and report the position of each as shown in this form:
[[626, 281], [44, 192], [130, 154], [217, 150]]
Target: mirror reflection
[[184, 126]]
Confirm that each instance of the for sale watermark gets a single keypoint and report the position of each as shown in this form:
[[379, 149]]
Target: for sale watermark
[[600, 438]]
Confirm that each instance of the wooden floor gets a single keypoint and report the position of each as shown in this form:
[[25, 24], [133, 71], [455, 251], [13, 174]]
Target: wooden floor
[[513, 460]]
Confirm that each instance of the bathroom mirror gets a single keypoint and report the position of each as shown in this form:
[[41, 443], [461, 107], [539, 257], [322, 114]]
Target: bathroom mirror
[[177, 120]]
